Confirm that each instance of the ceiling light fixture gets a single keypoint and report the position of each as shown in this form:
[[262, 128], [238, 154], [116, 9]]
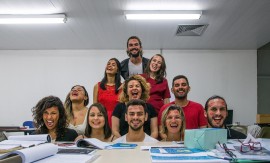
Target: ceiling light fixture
[[33, 19], [162, 15]]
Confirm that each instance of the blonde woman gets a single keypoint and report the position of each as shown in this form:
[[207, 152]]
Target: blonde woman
[[173, 123]]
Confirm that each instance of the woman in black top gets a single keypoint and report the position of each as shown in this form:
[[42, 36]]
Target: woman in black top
[[50, 118], [135, 87]]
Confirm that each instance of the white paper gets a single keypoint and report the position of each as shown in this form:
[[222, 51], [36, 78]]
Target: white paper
[[38, 137], [95, 142], [8, 146], [34, 153], [21, 143]]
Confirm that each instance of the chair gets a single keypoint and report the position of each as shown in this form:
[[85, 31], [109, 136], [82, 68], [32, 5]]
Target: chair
[[29, 124], [265, 132], [3, 136], [254, 130], [240, 128]]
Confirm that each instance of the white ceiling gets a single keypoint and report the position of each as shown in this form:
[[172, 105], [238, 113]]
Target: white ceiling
[[100, 24]]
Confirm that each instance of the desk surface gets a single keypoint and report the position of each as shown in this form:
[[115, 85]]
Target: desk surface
[[127, 155], [136, 155]]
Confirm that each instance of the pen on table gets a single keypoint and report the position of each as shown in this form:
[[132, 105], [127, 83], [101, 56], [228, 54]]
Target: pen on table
[[31, 145], [224, 158]]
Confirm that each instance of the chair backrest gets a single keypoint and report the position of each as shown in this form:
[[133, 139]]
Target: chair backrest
[[2, 136], [240, 128], [265, 132], [29, 124]]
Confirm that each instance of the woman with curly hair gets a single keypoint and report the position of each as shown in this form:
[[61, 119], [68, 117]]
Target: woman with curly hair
[[98, 125], [50, 118], [134, 87], [173, 123], [76, 108], [108, 89]]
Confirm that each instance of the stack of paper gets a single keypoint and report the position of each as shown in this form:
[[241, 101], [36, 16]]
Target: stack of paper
[[176, 154], [26, 140], [34, 153]]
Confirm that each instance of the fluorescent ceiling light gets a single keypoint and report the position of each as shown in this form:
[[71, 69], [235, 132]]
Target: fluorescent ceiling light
[[162, 15], [33, 19]]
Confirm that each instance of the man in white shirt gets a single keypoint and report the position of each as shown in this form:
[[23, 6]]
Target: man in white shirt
[[135, 116]]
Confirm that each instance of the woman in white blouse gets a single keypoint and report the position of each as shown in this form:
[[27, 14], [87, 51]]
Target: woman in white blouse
[[76, 107]]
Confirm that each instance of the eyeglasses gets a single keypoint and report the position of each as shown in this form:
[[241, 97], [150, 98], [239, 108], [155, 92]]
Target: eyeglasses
[[228, 151], [246, 147]]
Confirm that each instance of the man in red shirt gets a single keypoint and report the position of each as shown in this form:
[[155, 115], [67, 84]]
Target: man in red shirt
[[194, 112]]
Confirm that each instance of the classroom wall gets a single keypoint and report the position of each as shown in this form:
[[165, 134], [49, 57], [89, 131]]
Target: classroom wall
[[29, 75], [263, 63]]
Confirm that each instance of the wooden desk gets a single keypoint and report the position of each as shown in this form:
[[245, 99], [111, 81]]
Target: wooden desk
[[12, 159], [122, 155]]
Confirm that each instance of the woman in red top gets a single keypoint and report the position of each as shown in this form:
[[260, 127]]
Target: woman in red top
[[155, 74], [106, 92]]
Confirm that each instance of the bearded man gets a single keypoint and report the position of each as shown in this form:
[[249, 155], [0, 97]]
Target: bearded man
[[194, 112], [135, 116], [216, 113], [136, 63]]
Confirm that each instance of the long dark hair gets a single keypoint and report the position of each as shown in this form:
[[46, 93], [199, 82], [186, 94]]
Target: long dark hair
[[117, 77], [38, 110], [106, 128], [161, 73]]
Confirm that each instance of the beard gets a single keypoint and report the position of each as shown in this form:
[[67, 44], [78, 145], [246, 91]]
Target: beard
[[180, 96], [210, 122], [139, 53], [137, 128]]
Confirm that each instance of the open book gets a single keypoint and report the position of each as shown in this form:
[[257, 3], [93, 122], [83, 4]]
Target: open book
[[34, 153], [91, 143], [26, 140]]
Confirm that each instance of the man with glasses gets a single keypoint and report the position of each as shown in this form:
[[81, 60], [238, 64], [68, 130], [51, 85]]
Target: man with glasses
[[216, 112], [136, 63]]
